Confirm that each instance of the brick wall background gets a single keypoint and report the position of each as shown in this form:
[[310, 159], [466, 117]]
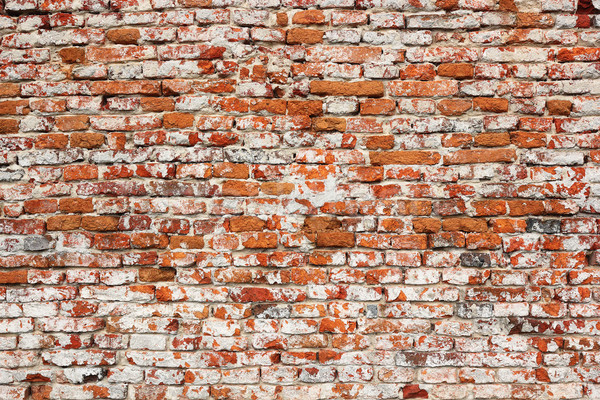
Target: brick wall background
[[299, 199]]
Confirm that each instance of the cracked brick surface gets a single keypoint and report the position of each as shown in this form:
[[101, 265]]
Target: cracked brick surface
[[299, 199]]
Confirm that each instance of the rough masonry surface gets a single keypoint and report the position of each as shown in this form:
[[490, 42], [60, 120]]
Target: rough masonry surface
[[299, 199]]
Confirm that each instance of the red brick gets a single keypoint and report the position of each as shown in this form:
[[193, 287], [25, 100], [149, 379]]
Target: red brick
[[331, 88], [299, 199], [123, 36]]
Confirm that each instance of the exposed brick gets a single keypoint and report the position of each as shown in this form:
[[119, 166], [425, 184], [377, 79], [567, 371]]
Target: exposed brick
[[80, 172], [423, 89], [187, 242], [464, 224], [63, 223], [281, 18], [404, 157], [489, 104], [335, 239], [304, 36], [9, 89], [123, 36], [157, 104], [88, 140], [72, 123], [9, 125], [377, 107], [329, 124], [480, 156], [308, 17], [51, 141], [311, 107], [72, 55], [331, 88], [99, 223], [243, 224], [76, 205], [178, 120], [454, 107], [492, 139], [13, 277], [559, 107], [456, 70], [149, 274], [299, 199]]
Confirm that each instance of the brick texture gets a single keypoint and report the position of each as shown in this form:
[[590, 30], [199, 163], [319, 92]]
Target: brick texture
[[299, 199]]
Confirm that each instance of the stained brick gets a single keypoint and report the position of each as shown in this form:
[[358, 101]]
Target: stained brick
[[299, 199]]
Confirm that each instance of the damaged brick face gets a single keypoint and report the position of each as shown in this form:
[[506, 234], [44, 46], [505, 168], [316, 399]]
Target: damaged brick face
[[299, 199]]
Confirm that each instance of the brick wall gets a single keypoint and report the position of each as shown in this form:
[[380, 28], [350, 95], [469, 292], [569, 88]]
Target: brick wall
[[299, 199]]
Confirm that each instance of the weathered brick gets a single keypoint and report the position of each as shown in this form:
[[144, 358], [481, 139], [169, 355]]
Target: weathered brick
[[299, 199], [72, 55], [304, 36], [123, 36], [488, 104], [423, 89], [456, 70], [559, 107], [480, 156], [404, 157], [331, 88]]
